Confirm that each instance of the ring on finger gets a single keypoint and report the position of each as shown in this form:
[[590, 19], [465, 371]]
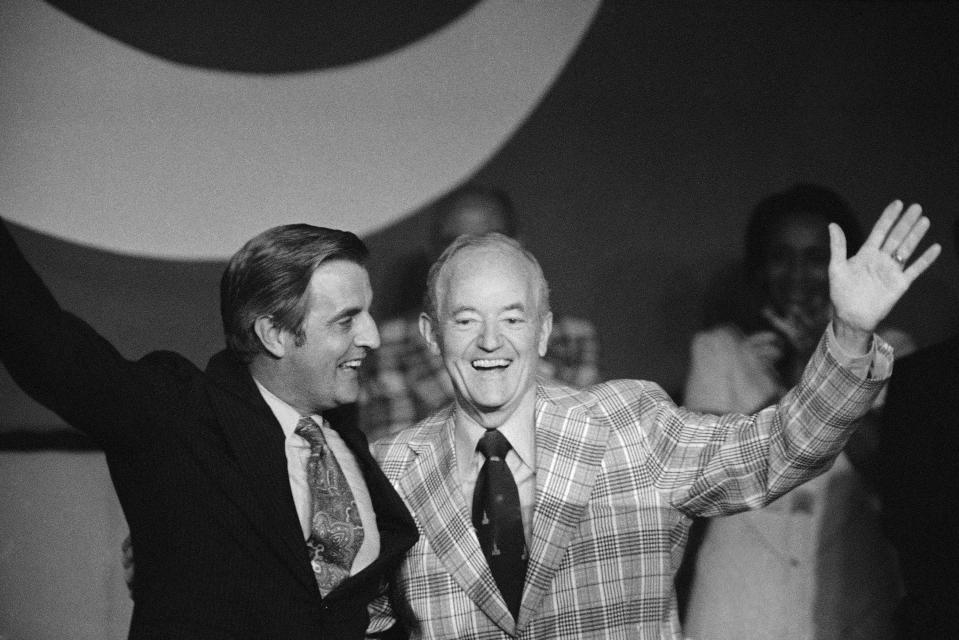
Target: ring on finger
[[900, 260]]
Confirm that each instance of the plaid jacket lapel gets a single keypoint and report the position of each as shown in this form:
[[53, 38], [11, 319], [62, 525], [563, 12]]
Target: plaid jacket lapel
[[570, 445], [431, 486]]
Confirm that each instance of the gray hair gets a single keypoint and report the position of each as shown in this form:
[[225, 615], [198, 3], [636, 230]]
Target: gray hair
[[487, 240]]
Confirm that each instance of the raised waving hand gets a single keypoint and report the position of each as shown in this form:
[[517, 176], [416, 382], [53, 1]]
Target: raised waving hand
[[865, 287]]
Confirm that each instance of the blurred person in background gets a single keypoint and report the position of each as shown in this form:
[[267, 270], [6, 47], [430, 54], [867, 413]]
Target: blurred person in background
[[813, 564]]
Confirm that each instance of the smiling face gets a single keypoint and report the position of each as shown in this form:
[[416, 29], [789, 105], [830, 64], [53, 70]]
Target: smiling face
[[319, 366], [491, 330]]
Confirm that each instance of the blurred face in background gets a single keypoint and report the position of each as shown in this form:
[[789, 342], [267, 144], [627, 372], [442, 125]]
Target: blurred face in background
[[796, 269], [474, 215]]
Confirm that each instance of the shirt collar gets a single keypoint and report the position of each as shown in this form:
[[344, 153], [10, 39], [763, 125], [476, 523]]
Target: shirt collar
[[286, 415], [519, 430]]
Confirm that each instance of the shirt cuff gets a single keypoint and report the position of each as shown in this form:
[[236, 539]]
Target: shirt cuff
[[875, 363]]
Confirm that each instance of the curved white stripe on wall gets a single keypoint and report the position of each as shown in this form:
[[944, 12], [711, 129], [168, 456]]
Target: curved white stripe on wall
[[111, 147]]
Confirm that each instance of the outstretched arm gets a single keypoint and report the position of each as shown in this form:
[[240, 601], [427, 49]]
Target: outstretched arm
[[53, 356], [864, 288], [754, 459]]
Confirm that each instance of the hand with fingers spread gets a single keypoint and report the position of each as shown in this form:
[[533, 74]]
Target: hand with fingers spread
[[765, 348], [865, 287]]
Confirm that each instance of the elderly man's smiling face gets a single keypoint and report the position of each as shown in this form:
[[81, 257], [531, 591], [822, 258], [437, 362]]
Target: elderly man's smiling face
[[491, 330]]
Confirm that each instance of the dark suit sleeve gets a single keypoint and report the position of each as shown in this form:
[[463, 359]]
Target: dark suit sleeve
[[905, 463], [919, 480], [53, 356]]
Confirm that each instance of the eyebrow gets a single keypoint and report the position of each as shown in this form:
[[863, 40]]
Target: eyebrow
[[346, 313], [516, 306]]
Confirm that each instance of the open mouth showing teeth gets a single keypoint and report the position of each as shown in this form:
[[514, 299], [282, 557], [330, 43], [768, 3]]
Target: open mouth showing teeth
[[351, 364], [485, 365]]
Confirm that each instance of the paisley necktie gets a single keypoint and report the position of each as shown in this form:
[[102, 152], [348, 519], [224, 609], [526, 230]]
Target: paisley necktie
[[336, 531]]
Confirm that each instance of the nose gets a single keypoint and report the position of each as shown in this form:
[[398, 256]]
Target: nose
[[367, 335], [490, 338]]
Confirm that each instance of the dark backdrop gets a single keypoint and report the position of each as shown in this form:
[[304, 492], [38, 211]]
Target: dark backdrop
[[637, 172]]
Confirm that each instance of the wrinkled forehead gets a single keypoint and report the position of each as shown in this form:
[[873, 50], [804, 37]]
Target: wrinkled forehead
[[336, 285], [480, 277]]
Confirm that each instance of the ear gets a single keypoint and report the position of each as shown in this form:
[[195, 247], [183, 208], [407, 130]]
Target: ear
[[428, 331], [545, 330], [272, 337]]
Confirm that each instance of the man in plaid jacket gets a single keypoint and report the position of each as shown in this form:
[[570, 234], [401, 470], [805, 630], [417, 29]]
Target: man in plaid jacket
[[607, 478], [402, 381]]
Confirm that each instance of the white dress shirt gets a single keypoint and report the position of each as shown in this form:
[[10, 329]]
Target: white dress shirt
[[297, 456], [521, 460]]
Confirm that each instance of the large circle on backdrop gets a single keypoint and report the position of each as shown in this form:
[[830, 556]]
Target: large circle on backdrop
[[266, 37], [109, 146]]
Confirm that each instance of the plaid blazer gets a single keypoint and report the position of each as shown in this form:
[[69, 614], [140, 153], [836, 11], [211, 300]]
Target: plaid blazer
[[620, 470]]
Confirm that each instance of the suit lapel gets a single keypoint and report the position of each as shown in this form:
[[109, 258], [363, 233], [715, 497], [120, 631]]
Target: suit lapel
[[257, 440], [395, 524], [432, 490], [570, 445]]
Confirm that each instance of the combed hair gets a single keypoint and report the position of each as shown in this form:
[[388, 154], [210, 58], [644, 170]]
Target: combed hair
[[269, 276], [486, 240]]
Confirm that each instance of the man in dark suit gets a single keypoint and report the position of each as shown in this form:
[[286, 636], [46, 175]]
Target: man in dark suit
[[919, 478], [252, 515]]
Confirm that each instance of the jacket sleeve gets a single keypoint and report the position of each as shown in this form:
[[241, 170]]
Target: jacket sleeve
[[56, 358], [714, 465]]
